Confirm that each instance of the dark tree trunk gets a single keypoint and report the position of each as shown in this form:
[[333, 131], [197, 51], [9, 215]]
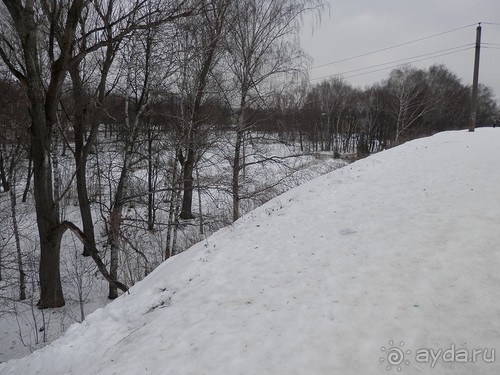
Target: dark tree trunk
[[237, 164], [174, 197], [188, 181], [51, 294], [28, 178], [152, 173], [115, 221], [81, 156], [98, 261], [236, 176], [3, 174], [47, 212]]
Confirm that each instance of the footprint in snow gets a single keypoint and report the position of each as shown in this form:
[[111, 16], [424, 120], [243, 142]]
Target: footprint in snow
[[347, 231]]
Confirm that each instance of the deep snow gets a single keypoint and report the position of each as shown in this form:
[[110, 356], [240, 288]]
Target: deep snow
[[394, 254]]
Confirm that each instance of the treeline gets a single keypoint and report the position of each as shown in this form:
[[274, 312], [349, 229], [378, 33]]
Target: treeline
[[329, 116], [410, 103], [97, 93]]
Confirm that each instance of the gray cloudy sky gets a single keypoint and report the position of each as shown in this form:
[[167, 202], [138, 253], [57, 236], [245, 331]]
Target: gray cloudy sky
[[356, 27]]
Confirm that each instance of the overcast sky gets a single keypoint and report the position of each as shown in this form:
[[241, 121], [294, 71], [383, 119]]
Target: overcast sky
[[356, 27]]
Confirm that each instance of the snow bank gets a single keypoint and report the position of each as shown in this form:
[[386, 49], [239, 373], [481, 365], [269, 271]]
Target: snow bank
[[364, 270]]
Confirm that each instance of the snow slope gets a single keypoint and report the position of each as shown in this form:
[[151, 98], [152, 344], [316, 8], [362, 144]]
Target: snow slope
[[396, 254]]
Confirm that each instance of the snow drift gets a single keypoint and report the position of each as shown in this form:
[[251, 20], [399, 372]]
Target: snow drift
[[364, 270]]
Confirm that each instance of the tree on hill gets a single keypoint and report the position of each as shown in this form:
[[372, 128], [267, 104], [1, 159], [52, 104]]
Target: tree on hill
[[38, 44]]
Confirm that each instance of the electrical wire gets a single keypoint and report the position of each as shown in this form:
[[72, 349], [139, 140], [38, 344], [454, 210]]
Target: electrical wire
[[390, 67], [413, 57], [394, 46]]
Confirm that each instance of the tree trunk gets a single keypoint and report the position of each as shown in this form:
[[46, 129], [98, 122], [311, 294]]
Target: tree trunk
[[176, 223], [28, 178], [47, 214], [187, 176], [235, 183], [200, 211], [98, 261], [3, 174], [236, 175], [15, 228], [115, 221], [81, 156], [174, 197], [114, 240], [151, 187]]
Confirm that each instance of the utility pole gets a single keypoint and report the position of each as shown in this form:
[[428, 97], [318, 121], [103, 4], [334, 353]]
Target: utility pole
[[473, 104]]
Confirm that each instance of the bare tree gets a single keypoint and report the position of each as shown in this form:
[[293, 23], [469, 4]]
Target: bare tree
[[38, 44], [487, 105], [29, 24], [148, 70], [334, 97], [408, 88], [294, 102], [370, 116], [261, 43], [202, 38]]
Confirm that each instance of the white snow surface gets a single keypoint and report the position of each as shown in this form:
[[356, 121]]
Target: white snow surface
[[394, 254]]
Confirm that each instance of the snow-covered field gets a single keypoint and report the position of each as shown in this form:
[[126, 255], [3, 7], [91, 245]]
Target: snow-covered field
[[389, 264]]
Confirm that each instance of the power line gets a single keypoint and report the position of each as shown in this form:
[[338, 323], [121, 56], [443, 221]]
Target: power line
[[413, 57], [394, 46], [390, 67], [416, 61]]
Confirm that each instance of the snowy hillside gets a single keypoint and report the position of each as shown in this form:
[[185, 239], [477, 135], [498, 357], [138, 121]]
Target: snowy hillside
[[391, 263]]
